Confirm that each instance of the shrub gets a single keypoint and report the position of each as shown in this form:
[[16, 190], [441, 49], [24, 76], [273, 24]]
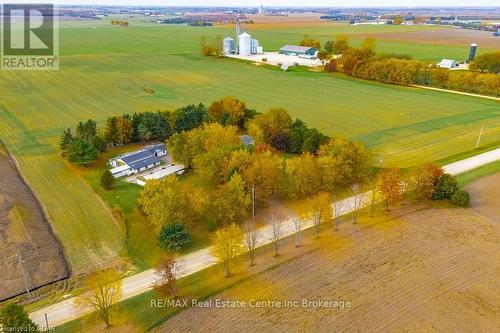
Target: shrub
[[13, 318], [445, 187], [174, 236], [460, 198], [107, 180]]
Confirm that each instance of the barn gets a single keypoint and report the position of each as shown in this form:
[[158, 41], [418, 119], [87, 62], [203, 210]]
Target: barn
[[304, 51], [448, 63]]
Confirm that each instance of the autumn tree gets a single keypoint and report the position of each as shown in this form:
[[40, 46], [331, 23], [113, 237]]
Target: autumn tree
[[340, 45], [227, 245], [389, 185], [310, 42], [342, 162], [422, 182], [265, 174], [104, 290], [167, 274], [228, 111], [168, 200], [302, 176], [231, 202]]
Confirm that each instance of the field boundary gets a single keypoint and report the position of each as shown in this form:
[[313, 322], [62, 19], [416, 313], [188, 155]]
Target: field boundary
[[456, 92], [46, 220]]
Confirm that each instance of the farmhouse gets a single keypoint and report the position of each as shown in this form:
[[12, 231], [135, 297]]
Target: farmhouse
[[301, 51], [448, 63], [137, 161]]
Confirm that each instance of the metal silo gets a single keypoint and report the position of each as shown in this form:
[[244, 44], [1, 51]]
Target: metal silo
[[255, 46], [245, 44], [472, 51], [228, 45]]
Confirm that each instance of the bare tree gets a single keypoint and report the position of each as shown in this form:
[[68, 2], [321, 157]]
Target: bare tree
[[373, 194], [275, 223], [321, 210], [250, 240], [297, 227], [104, 291], [357, 201], [338, 207], [167, 272]]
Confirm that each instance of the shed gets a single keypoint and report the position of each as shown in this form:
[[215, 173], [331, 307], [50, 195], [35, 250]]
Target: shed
[[448, 63]]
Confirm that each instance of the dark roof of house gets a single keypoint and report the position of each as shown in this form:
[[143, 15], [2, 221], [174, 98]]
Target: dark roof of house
[[140, 159], [155, 148]]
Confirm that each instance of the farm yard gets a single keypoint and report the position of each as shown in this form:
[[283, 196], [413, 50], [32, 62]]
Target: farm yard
[[430, 269], [109, 71], [24, 231]]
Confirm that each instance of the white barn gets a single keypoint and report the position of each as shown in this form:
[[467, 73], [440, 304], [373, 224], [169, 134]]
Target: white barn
[[448, 63]]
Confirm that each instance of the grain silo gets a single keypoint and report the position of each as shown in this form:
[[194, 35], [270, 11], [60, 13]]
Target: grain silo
[[255, 46], [245, 44], [228, 45], [472, 52]]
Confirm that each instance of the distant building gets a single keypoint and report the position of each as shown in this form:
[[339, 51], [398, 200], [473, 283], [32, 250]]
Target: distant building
[[304, 51], [228, 45], [247, 140], [448, 63], [138, 161]]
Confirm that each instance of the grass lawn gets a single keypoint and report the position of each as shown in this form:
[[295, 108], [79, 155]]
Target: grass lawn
[[105, 69], [140, 240]]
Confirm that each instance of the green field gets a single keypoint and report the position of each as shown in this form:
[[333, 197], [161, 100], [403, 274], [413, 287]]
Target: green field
[[104, 71]]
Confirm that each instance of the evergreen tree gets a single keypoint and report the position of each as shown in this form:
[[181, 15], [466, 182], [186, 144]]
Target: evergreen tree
[[107, 180], [81, 152], [66, 139], [13, 318]]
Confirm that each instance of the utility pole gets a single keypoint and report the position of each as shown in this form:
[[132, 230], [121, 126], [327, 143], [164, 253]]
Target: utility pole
[[480, 135], [25, 278]]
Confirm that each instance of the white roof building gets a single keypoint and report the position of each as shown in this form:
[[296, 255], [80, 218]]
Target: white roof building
[[448, 63]]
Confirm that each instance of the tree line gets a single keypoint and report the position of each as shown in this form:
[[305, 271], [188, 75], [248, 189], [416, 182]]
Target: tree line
[[87, 142], [365, 63]]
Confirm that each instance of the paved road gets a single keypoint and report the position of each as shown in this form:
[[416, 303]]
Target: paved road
[[66, 310]]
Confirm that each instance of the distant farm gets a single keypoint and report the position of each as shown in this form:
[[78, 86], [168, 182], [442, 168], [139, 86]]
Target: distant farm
[[108, 70]]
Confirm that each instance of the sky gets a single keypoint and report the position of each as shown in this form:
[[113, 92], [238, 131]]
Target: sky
[[282, 3]]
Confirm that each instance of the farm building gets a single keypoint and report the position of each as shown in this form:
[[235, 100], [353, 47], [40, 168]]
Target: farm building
[[247, 140], [448, 63], [138, 161], [304, 51]]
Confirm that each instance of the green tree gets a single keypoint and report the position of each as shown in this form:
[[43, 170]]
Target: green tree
[[13, 318], [460, 198], [174, 236], [445, 187], [189, 117], [107, 180], [81, 152], [66, 139]]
